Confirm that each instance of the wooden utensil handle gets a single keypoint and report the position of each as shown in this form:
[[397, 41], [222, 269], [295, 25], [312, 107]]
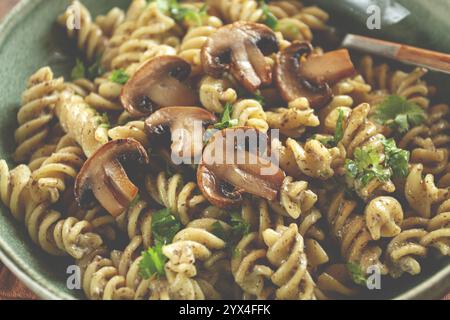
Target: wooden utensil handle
[[433, 60]]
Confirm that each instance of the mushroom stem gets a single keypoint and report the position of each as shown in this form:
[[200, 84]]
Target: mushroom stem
[[225, 163], [329, 67], [104, 177]]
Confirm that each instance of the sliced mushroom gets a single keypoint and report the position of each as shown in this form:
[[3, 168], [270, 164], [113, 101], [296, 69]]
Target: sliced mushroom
[[186, 126], [240, 48], [104, 177], [300, 74], [328, 68], [223, 179], [158, 83]]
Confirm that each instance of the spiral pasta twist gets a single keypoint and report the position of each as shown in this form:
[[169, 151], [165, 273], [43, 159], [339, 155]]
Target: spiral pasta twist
[[235, 10], [439, 229], [133, 129], [383, 216], [293, 120], [312, 159], [118, 278], [439, 125], [286, 252], [329, 114], [81, 122], [214, 270], [190, 247], [295, 198], [250, 269], [108, 23], [51, 178], [360, 132], [137, 221], [182, 199], [350, 230], [421, 192], [394, 82], [216, 93], [424, 151], [191, 46], [88, 35], [259, 217], [404, 249], [355, 87], [81, 87], [250, 113], [54, 235], [137, 36], [335, 281], [285, 8], [106, 95], [35, 115], [101, 221], [56, 137]]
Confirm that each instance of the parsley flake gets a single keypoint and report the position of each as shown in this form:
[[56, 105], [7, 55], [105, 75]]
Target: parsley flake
[[119, 76], [356, 273], [164, 226], [152, 263], [399, 114]]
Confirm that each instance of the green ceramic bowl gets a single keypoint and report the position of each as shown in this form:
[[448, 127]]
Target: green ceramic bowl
[[29, 39]]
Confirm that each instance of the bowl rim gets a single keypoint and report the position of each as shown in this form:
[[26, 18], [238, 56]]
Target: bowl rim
[[428, 289], [7, 257]]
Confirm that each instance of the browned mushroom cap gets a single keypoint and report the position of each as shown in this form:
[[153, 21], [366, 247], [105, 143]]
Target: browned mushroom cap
[[289, 81], [240, 47], [103, 176], [158, 83], [223, 180], [300, 74], [182, 123]]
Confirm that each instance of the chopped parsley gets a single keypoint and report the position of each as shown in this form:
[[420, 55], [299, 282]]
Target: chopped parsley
[[219, 231], [356, 273], [226, 121], [243, 93], [397, 159], [239, 227], [96, 69], [399, 114], [164, 226], [369, 164], [338, 132], [103, 121], [78, 71], [152, 263], [268, 17], [366, 166], [119, 76], [182, 13]]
